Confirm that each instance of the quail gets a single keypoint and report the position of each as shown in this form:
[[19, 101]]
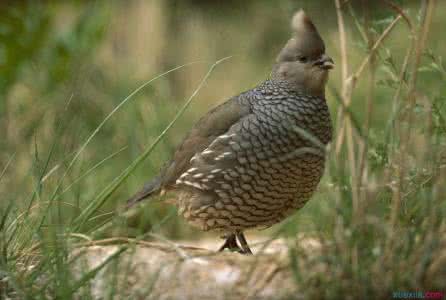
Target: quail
[[258, 157]]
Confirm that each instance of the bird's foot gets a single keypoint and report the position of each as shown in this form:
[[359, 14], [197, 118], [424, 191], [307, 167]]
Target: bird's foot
[[245, 247], [230, 243]]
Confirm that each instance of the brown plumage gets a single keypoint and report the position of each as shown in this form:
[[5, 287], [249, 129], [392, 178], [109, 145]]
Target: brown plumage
[[253, 160]]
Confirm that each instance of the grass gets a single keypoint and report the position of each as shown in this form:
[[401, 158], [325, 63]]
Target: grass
[[62, 235], [380, 209]]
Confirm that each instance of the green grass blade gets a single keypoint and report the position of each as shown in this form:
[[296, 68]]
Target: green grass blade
[[105, 194]]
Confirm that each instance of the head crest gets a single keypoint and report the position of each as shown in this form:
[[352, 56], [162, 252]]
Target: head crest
[[301, 22], [305, 40]]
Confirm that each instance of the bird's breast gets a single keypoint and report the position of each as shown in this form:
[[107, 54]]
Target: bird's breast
[[303, 119]]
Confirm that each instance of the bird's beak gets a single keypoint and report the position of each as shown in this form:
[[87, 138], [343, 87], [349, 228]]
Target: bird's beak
[[325, 62]]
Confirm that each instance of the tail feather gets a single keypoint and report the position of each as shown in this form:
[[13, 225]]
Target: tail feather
[[149, 189]]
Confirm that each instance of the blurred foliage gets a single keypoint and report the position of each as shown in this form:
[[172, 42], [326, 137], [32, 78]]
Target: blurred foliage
[[64, 66]]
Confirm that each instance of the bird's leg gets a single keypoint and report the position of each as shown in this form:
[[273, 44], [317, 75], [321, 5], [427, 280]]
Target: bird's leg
[[245, 248], [230, 243]]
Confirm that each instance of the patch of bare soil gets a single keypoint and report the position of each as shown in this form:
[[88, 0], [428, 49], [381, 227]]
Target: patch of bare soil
[[148, 270]]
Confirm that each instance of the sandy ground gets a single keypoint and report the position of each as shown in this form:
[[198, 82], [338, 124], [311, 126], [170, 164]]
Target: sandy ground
[[193, 270]]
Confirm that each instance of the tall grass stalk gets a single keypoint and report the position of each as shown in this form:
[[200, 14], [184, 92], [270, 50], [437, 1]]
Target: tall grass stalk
[[35, 258]]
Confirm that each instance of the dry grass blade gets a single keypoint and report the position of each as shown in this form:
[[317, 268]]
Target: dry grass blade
[[420, 43], [348, 84], [103, 196], [375, 47]]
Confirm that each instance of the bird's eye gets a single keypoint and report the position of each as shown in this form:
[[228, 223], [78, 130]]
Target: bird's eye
[[302, 59]]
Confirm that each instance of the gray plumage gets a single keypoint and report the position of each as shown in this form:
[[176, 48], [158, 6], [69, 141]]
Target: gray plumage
[[255, 159]]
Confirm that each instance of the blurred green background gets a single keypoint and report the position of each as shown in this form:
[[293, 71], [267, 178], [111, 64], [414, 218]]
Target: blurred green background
[[66, 65]]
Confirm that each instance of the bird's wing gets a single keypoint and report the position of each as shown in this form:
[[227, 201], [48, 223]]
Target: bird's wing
[[214, 124], [226, 151]]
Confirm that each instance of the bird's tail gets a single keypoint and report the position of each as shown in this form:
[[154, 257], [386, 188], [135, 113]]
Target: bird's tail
[[150, 188]]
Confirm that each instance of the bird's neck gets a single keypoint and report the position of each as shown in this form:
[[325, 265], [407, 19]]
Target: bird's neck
[[300, 87]]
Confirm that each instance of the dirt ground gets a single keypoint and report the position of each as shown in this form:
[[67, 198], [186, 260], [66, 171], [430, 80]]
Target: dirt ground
[[166, 270]]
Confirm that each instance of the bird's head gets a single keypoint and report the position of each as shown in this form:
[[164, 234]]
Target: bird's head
[[302, 62]]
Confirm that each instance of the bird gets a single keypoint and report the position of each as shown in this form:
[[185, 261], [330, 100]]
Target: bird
[[255, 159]]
